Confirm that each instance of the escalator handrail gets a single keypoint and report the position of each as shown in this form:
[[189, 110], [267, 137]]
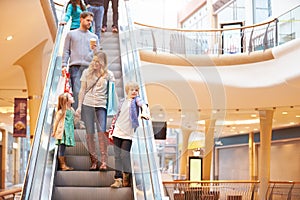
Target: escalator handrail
[[32, 158], [146, 134]]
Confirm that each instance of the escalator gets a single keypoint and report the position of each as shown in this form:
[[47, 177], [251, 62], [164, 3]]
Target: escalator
[[44, 181], [82, 183]]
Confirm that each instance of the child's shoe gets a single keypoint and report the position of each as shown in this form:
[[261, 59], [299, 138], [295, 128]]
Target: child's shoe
[[117, 184], [126, 180], [114, 29], [62, 164], [104, 29]]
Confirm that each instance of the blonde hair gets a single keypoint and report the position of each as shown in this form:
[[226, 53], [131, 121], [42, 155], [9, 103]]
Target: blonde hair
[[130, 85], [98, 56]]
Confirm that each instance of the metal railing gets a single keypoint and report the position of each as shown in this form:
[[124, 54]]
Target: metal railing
[[230, 189], [283, 190], [211, 190], [245, 39]]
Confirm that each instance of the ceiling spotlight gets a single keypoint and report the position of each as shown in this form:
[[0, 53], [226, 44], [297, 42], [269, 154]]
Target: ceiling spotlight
[[284, 113], [10, 37]]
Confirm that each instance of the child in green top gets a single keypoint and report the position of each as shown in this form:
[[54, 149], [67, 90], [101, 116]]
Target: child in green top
[[63, 128]]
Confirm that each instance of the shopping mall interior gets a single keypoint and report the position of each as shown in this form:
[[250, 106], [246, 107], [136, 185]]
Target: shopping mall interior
[[221, 79]]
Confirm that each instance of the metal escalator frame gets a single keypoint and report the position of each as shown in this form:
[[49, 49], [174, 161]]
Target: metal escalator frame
[[42, 128], [152, 187], [39, 152]]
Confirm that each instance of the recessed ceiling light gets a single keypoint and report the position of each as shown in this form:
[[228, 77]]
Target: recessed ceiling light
[[10, 37], [253, 115], [202, 122], [297, 116], [284, 113]]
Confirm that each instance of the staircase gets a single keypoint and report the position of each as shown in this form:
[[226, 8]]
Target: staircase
[[82, 183]]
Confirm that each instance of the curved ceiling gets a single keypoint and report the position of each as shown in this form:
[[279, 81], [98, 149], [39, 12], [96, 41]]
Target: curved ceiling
[[231, 94]]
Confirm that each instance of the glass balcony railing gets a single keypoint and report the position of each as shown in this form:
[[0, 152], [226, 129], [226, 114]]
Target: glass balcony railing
[[233, 40]]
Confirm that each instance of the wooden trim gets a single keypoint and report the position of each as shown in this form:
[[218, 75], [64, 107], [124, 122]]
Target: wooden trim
[[207, 30], [10, 192]]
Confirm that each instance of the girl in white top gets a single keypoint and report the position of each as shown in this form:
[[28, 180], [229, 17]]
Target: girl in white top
[[126, 123]]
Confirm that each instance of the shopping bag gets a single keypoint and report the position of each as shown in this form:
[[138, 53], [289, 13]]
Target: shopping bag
[[112, 99], [67, 87], [110, 131], [60, 88]]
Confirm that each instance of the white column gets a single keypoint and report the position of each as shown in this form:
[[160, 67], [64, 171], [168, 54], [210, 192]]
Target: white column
[[209, 145], [184, 152], [266, 118]]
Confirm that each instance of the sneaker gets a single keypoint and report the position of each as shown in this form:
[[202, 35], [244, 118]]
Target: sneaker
[[104, 29], [114, 29], [117, 183]]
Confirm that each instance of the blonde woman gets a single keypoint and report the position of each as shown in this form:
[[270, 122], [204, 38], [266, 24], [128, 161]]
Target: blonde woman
[[92, 102]]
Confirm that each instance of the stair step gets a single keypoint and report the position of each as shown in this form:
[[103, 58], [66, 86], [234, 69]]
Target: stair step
[[80, 149], [84, 178], [92, 193], [82, 163]]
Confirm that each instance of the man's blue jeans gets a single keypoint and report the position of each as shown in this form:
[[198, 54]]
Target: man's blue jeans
[[98, 17], [75, 75]]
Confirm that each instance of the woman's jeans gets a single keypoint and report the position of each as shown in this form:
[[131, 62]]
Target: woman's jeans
[[91, 115]]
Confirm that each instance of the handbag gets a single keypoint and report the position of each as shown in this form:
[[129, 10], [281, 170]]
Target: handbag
[[112, 99]]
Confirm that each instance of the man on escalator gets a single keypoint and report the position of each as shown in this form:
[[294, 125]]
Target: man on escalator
[[77, 52]]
